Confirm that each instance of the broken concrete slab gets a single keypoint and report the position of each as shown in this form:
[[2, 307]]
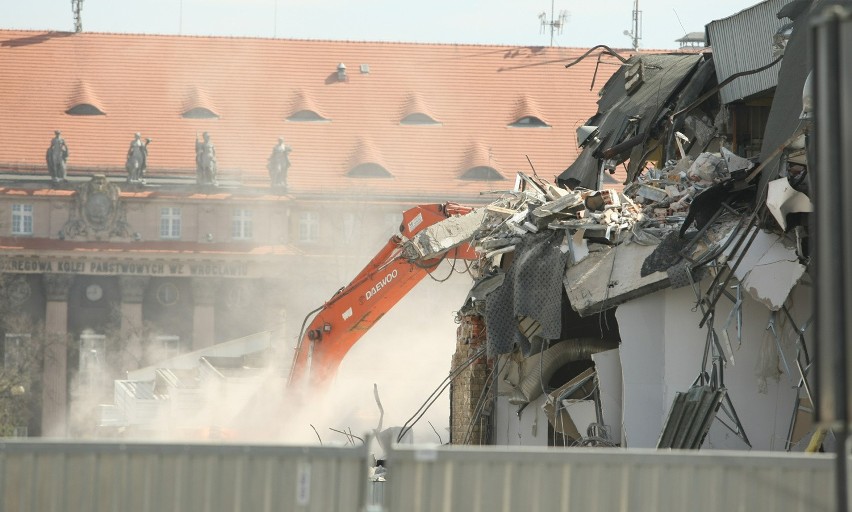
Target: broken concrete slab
[[769, 270], [443, 236], [772, 283], [609, 277]]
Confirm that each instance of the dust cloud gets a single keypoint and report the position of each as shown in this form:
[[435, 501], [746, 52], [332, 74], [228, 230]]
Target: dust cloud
[[407, 355]]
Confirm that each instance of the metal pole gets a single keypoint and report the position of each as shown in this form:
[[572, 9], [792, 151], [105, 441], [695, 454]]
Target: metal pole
[[830, 30]]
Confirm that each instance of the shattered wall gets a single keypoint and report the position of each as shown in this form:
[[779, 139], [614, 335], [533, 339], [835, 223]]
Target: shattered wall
[[662, 349], [470, 402]]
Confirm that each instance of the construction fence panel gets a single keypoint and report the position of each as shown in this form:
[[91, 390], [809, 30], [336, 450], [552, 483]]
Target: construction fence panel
[[479, 479], [102, 477]]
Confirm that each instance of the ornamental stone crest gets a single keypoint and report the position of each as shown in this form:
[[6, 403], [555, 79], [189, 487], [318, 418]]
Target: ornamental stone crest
[[97, 212]]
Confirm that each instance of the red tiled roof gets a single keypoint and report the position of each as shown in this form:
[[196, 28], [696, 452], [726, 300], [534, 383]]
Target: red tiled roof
[[144, 83]]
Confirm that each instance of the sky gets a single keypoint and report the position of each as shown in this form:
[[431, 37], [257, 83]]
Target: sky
[[493, 22]]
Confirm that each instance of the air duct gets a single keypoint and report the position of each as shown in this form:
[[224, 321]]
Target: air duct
[[552, 359]]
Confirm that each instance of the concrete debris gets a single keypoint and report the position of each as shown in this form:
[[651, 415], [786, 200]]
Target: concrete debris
[[782, 199], [770, 269], [439, 238], [602, 226]]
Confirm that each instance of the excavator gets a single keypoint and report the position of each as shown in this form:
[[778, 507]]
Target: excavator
[[428, 234]]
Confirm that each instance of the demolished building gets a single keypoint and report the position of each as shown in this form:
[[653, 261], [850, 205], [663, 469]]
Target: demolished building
[[674, 314]]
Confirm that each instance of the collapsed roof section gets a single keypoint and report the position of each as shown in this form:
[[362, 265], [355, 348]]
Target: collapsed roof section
[[633, 103], [699, 212]]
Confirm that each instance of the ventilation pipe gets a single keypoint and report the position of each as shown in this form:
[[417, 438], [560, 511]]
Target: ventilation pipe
[[551, 360], [341, 72]]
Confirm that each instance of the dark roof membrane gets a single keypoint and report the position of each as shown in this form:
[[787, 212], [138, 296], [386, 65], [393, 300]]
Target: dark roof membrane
[[631, 116]]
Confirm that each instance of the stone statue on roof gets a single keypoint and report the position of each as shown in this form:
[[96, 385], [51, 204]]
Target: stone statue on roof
[[279, 163], [137, 159], [57, 158], [205, 161]]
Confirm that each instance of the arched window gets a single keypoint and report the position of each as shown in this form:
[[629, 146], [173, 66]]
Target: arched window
[[419, 118], [200, 113], [85, 109], [306, 116], [369, 170], [529, 122], [482, 173]]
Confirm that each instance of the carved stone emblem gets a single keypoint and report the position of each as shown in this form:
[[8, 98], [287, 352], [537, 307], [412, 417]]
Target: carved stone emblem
[[17, 290], [97, 212]]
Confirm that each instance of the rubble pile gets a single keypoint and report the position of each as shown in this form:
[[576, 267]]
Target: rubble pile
[[650, 208], [666, 194], [606, 216]]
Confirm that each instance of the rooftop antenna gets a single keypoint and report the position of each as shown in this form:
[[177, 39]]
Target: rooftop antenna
[[275, 21], [679, 22], [77, 9], [555, 23], [635, 33]]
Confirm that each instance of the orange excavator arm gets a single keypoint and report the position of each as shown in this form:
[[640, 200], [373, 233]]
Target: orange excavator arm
[[423, 242]]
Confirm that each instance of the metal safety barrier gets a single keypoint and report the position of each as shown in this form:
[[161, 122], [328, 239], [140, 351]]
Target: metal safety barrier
[[595, 480], [102, 477]]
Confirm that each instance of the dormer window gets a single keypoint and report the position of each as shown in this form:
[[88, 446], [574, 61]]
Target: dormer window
[[369, 170], [529, 122], [305, 109], [199, 105], [84, 101], [306, 116], [85, 109], [416, 111], [418, 119], [527, 114], [200, 113], [482, 173]]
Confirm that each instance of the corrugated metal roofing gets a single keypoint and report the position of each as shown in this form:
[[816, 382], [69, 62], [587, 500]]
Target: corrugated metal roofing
[[743, 42], [145, 83]]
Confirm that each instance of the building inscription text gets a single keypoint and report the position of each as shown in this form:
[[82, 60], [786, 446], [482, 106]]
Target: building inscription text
[[82, 266]]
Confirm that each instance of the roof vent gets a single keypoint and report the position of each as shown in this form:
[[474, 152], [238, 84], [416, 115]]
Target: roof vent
[[365, 68], [341, 72]]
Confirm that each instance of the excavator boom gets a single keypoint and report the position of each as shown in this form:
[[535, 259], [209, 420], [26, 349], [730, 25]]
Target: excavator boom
[[428, 234]]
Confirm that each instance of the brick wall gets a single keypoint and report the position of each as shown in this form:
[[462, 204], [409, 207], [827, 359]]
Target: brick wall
[[467, 425]]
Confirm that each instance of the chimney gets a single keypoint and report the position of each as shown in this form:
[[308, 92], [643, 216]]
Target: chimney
[[341, 72]]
